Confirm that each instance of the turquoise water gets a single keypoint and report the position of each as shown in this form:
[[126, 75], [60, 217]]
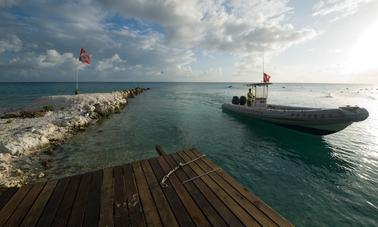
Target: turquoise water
[[312, 181]]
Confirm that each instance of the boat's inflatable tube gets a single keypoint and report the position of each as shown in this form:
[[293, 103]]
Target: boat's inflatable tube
[[311, 120]]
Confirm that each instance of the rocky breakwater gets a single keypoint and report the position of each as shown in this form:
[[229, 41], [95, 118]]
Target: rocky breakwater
[[28, 137]]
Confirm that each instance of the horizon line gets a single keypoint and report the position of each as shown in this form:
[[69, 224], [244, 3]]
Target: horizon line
[[221, 82]]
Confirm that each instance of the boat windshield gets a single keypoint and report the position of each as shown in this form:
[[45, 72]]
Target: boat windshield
[[261, 91]]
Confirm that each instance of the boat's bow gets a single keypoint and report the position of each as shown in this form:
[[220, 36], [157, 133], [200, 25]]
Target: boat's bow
[[354, 113]]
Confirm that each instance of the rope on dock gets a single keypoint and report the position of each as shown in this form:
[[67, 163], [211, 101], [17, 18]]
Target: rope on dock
[[163, 183], [204, 174]]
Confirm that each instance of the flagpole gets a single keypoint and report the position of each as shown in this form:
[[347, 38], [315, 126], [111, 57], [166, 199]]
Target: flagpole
[[263, 70], [263, 62], [77, 82], [83, 58]]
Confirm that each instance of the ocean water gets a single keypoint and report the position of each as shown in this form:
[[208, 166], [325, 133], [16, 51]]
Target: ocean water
[[311, 180]]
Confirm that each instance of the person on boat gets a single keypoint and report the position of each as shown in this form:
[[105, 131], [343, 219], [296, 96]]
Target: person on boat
[[249, 98]]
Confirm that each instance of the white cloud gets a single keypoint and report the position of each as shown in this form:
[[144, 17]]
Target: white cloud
[[270, 38], [339, 8], [233, 26], [11, 43], [335, 51], [157, 57], [115, 63], [53, 58], [181, 19], [212, 72], [180, 58], [142, 40], [50, 59], [217, 25], [163, 35], [8, 3], [249, 64]]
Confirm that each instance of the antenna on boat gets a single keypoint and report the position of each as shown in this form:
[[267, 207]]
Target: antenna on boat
[[263, 61], [263, 72]]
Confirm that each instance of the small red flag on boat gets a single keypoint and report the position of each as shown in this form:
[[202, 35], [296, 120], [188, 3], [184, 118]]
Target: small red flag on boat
[[84, 56], [266, 78]]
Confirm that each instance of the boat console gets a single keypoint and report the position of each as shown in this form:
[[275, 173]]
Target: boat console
[[260, 94]]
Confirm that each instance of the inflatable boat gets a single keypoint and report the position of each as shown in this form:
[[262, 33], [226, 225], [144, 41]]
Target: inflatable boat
[[318, 121]]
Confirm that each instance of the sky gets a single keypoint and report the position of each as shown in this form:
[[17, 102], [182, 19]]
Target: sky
[[314, 41]]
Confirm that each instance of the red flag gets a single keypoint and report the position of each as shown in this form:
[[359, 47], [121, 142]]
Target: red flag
[[266, 78], [84, 56]]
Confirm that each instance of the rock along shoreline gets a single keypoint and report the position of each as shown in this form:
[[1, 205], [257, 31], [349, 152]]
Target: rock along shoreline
[[27, 136]]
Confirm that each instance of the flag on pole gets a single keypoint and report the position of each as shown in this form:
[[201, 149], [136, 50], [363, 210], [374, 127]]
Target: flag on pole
[[266, 78], [84, 56], [86, 59]]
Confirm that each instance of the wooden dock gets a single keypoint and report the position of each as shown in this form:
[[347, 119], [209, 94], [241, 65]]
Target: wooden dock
[[197, 194]]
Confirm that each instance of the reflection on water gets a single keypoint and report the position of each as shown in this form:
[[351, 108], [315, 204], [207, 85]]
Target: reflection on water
[[310, 149]]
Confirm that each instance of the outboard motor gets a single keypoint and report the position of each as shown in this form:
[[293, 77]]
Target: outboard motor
[[235, 100], [243, 100]]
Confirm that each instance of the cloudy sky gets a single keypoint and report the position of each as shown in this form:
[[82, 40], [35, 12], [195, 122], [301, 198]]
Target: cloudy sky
[[173, 40]]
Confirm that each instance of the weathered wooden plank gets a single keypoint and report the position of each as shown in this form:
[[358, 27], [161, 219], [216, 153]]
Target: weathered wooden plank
[[150, 211], [92, 209], [23, 208], [159, 150], [239, 198], [52, 205], [132, 195], [120, 200], [133, 198], [174, 201], [64, 211], [211, 214], [244, 217], [12, 204], [221, 208], [107, 198], [194, 211], [35, 211], [77, 214], [277, 218], [6, 196], [166, 215]]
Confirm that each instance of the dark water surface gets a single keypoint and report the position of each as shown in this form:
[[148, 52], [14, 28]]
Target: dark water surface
[[311, 180]]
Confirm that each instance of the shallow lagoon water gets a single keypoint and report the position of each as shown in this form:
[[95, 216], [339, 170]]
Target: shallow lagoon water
[[311, 180]]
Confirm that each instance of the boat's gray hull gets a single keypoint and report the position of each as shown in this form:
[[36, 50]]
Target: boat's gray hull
[[310, 120]]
